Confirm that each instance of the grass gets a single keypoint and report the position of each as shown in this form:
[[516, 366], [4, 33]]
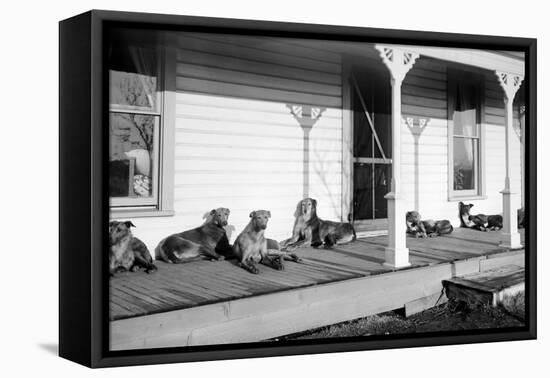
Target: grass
[[450, 316], [515, 305]]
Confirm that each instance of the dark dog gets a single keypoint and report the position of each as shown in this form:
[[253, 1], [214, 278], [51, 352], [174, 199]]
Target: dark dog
[[126, 252], [423, 228], [479, 222], [309, 229], [208, 241], [252, 247], [522, 221]]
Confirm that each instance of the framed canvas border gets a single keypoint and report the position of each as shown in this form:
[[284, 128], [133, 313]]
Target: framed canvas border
[[83, 195]]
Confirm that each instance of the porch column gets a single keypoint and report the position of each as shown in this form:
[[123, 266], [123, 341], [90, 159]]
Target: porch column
[[510, 236], [398, 63]]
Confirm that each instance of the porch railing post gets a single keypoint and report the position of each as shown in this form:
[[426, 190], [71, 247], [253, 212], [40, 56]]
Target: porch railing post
[[398, 63], [510, 236]]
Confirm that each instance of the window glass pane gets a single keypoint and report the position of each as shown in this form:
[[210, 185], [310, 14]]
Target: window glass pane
[[465, 123], [132, 154], [465, 156], [133, 78]]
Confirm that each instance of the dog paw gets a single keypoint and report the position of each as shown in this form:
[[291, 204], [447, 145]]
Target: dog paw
[[221, 258], [253, 270]]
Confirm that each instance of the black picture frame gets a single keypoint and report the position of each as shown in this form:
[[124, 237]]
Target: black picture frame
[[83, 196]]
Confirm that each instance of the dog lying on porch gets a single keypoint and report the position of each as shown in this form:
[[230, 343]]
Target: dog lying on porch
[[126, 252], [426, 228], [309, 229], [479, 222], [251, 246], [206, 242]]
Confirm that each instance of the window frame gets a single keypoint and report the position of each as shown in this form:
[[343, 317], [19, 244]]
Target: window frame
[[477, 77], [164, 133]]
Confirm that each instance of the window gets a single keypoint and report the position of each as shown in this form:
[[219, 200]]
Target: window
[[136, 122], [465, 133]]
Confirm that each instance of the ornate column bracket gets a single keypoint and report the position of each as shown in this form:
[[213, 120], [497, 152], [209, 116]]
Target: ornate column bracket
[[398, 61], [510, 83]]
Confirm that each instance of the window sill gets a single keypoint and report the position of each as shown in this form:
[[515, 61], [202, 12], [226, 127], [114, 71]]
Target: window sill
[[469, 197], [136, 213]]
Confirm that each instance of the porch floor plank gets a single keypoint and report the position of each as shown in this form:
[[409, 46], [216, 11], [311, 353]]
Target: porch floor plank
[[180, 286]]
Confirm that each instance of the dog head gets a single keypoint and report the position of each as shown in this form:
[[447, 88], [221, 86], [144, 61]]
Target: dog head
[[119, 230], [259, 219], [464, 213], [464, 208], [219, 216], [412, 218], [308, 208]]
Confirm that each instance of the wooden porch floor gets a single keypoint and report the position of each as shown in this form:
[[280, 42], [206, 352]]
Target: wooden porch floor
[[176, 287]]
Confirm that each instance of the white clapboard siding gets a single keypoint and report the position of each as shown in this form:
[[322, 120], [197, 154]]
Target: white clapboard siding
[[237, 144], [425, 97]]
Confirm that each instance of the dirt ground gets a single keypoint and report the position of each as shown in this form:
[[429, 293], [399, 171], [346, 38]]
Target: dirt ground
[[450, 316]]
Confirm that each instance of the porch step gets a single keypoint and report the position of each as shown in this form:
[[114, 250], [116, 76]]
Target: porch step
[[489, 287]]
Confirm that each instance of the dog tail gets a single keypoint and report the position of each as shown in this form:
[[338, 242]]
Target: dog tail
[[444, 227]]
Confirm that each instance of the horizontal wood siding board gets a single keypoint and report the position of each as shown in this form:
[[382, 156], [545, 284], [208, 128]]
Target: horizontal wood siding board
[[423, 111], [267, 112], [244, 65], [307, 49], [430, 74], [425, 82], [414, 90], [253, 54], [256, 93], [188, 120], [424, 101], [184, 133], [430, 64], [247, 78]]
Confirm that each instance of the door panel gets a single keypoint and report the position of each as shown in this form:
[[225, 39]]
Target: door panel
[[371, 143]]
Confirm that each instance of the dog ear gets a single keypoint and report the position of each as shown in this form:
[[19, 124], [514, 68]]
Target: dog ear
[[252, 214], [268, 214], [129, 224], [314, 202], [227, 211], [213, 211]]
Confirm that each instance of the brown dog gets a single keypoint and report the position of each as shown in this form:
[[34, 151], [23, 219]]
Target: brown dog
[[423, 228], [309, 229], [127, 253], [208, 241], [252, 247]]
